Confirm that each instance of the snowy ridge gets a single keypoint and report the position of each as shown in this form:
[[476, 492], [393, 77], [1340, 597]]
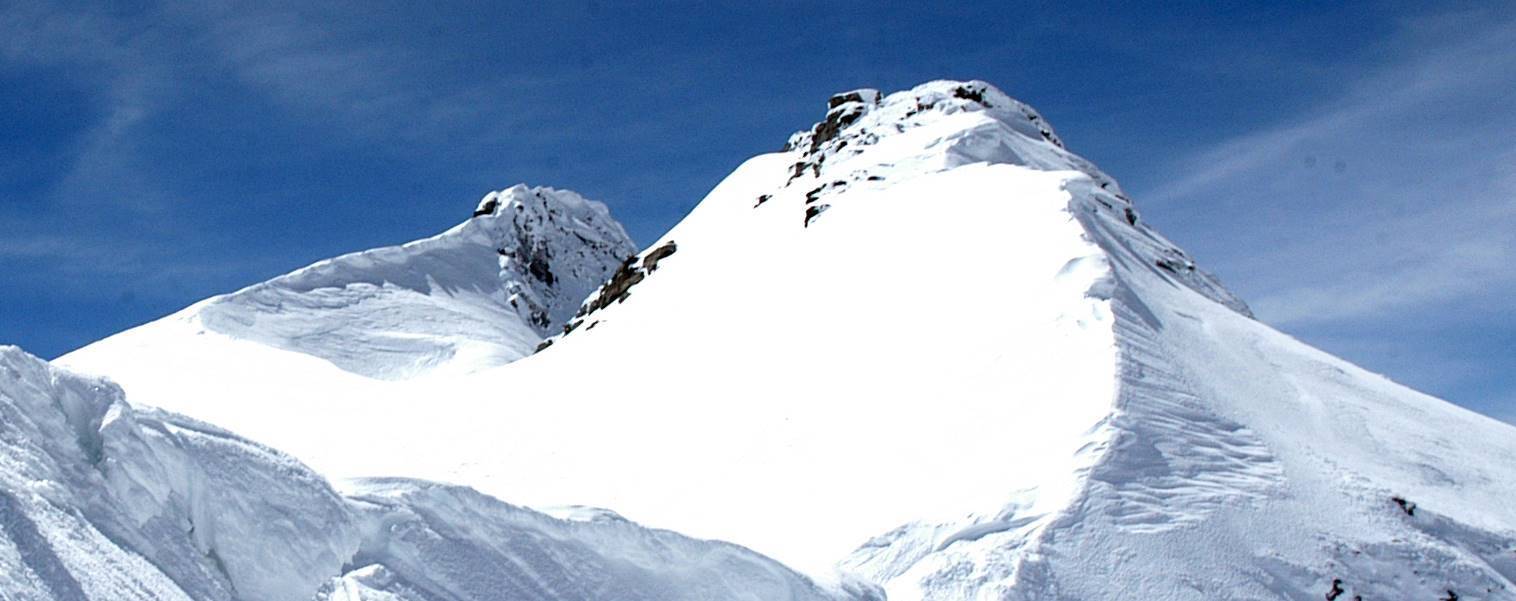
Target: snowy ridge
[[1181, 498], [102, 501], [930, 346], [1170, 460], [481, 294], [870, 142], [428, 541], [1185, 501]]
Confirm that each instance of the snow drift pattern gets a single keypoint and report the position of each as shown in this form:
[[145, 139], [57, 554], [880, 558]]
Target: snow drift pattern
[[102, 501]]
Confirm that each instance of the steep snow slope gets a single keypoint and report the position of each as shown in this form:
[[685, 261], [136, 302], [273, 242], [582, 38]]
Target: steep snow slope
[[102, 501], [1236, 463], [427, 541], [478, 295], [927, 341]]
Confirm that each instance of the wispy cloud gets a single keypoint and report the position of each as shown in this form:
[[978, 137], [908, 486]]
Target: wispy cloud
[[112, 58], [1399, 194], [1394, 264], [24, 246], [1399, 102], [1385, 214], [332, 74]]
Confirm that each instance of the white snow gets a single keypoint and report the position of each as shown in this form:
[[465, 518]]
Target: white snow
[[479, 295], [429, 541], [927, 346], [99, 500]]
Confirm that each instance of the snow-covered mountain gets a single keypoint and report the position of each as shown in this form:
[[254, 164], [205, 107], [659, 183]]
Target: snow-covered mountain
[[925, 345], [479, 295]]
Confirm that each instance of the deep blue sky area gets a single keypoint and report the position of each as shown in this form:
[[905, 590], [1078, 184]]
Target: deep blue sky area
[[1349, 168]]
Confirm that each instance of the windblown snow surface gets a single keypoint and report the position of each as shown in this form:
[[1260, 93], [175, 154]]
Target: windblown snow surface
[[99, 500], [925, 346]]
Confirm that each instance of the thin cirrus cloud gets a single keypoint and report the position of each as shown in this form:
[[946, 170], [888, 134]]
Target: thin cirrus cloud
[[1388, 213], [214, 145], [1364, 204]]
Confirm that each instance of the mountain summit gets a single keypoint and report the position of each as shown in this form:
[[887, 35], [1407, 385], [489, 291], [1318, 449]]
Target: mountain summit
[[481, 294], [926, 346]]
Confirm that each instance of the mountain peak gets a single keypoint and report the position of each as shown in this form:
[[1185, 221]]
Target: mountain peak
[[555, 246], [481, 294], [868, 138], [869, 141], [862, 118], [541, 198]]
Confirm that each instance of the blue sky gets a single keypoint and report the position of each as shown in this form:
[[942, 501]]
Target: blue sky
[[1349, 169]]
